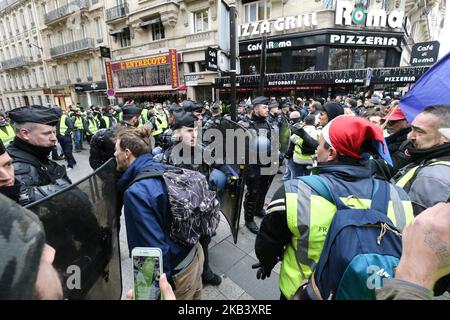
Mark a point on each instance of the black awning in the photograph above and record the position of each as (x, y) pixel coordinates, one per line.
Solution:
(330, 77)
(114, 33)
(146, 23)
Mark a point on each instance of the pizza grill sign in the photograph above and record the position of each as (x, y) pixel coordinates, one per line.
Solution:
(347, 14)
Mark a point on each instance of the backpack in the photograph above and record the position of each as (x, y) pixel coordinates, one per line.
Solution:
(361, 248)
(194, 208)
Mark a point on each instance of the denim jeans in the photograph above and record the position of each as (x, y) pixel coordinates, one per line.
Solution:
(78, 137)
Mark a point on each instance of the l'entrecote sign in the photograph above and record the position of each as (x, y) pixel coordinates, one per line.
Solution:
(347, 14)
(281, 24)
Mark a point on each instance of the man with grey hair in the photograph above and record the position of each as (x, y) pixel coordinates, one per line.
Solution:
(35, 138)
(427, 178)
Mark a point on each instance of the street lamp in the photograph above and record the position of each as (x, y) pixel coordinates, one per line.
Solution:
(45, 70)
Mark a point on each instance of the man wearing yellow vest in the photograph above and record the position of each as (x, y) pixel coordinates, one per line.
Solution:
(78, 124)
(427, 178)
(90, 126)
(7, 133)
(64, 129)
(298, 218)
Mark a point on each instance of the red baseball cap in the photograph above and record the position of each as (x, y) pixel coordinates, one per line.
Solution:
(394, 115)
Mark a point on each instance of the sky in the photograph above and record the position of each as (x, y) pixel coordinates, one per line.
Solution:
(445, 33)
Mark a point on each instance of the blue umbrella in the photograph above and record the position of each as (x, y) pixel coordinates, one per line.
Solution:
(433, 88)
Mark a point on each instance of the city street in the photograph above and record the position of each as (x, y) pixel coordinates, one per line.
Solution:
(232, 262)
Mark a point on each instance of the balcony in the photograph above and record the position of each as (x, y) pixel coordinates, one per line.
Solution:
(7, 3)
(73, 47)
(117, 12)
(65, 11)
(16, 62)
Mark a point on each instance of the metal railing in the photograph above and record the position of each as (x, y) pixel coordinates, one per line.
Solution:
(65, 10)
(16, 62)
(72, 47)
(116, 12)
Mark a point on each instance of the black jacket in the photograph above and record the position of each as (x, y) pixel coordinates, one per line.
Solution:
(38, 177)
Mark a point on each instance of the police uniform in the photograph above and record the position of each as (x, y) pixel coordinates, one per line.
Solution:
(214, 121)
(102, 145)
(187, 119)
(257, 184)
(274, 120)
(38, 176)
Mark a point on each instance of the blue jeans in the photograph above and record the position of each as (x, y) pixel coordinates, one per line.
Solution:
(294, 170)
(78, 137)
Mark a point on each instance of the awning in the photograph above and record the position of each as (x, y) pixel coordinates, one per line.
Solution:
(146, 23)
(152, 89)
(114, 33)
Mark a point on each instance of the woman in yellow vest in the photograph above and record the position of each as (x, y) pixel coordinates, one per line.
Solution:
(298, 218)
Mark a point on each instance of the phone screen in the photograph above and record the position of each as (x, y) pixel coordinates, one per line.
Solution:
(146, 271)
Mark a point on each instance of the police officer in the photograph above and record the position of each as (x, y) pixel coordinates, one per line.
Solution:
(216, 117)
(245, 121)
(185, 132)
(102, 146)
(274, 117)
(257, 184)
(38, 176)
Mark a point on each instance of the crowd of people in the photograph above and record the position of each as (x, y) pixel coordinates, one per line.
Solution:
(356, 148)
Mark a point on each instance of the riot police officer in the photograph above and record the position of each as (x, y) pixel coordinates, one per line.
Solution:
(102, 146)
(274, 118)
(216, 117)
(257, 183)
(38, 176)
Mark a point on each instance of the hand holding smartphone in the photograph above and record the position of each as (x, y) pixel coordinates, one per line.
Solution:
(147, 267)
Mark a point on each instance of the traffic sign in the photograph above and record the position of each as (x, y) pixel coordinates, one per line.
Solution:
(111, 92)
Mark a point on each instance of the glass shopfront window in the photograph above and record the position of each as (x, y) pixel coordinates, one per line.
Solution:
(344, 58)
(250, 64)
(273, 64)
(304, 60)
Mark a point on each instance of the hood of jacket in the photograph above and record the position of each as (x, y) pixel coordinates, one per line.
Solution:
(135, 168)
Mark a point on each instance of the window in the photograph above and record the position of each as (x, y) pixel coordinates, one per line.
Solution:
(72, 35)
(50, 40)
(8, 26)
(2, 57)
(19, 49)
(2, 29)
(202, 66)
(125, 38)
(22, 20)
(356, 58)
(77, 69)
(201, 21)
(102, 67)
(15, 23)
(31, 16)
(67, 73)
(83, 31)
(55, 74)
(88, 69)
(191, 67)
(61, 38)
(256, 11)
(44, 8)
(157, 30)
(56, 2)
(43, 77)
(98, 29)
(34, 78)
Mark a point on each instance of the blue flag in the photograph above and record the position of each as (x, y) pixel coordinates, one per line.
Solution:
(431, 89)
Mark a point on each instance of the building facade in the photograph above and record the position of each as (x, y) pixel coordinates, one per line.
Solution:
(330, 47)
(22, 75)
(72, 33)
(143, 33)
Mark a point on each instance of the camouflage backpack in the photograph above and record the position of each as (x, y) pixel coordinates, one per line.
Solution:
(194, 207)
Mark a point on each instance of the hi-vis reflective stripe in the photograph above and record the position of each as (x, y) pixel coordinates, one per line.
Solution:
(298, 151)
(405, 179)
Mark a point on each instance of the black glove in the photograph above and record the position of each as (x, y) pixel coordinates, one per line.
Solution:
(263, 270)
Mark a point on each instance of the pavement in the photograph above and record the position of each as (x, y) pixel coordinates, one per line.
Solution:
(231, 261)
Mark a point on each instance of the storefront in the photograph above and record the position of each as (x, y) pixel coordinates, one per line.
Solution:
(93, 93)
(309, 55)
(153, 78)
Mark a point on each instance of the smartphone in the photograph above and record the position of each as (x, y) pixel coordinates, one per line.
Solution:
(147, 266)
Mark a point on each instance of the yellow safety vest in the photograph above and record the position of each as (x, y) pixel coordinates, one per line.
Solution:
(107, 121)
(158, 130)
(93, 127)
(62, 125)
(408, 176)
(298, 153)
(78, 123)
(163, 117)
(8, 136)
(309, 217)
